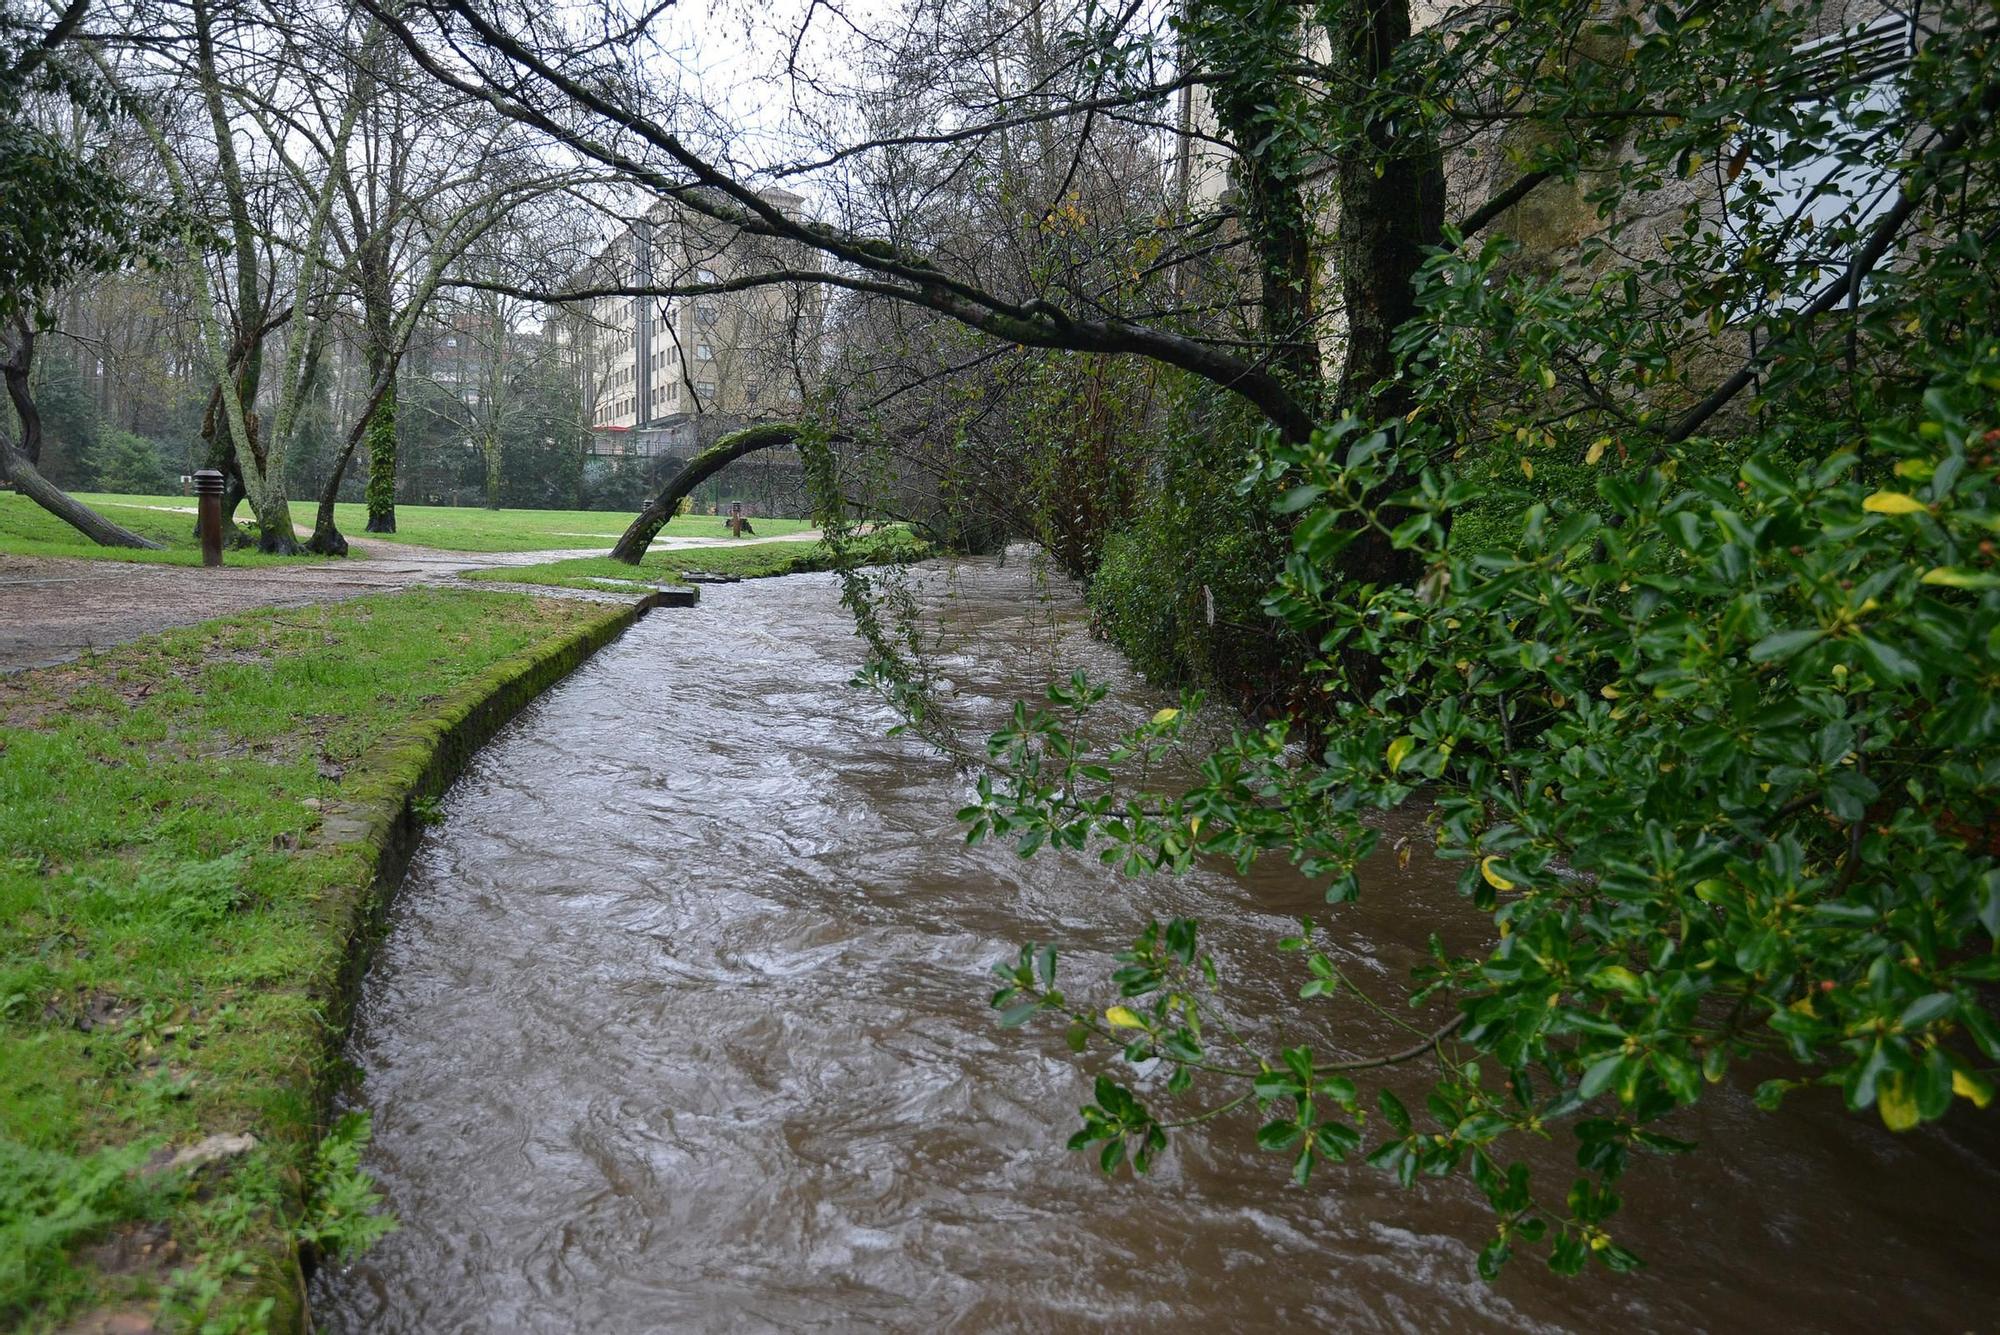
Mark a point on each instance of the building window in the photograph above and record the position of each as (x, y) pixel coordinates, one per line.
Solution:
(705, 389)
(1804, 200)
(704, 275)
(702, 353)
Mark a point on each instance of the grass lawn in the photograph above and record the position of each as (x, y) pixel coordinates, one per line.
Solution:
(28, 530)
(752, 560)
(166, 928)
(472, 529)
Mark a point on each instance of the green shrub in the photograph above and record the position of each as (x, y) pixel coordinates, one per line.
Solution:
(120, 461)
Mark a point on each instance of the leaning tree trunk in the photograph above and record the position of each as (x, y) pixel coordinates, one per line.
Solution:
(28, 480)
(326, 537)
(18, 464)
(696, 471)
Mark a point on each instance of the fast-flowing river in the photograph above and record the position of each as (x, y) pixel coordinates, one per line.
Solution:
(681, 1024)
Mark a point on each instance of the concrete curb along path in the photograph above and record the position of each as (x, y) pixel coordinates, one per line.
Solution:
(376, 823)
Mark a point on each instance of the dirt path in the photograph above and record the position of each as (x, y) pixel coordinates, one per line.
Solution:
(54, 608)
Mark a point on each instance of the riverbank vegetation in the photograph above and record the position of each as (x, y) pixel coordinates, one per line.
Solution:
(27, 530)
(751, 560)
(1572, 424)
(169, 931)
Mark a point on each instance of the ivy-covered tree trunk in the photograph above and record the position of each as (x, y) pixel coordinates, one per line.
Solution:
(1253, 48)
(381, 437)
(378, 311)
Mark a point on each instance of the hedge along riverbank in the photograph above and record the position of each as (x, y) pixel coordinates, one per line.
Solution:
(199, 830)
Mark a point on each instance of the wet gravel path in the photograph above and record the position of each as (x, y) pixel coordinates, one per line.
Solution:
(53, 609)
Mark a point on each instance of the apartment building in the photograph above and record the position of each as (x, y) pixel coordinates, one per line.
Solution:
(662, 373)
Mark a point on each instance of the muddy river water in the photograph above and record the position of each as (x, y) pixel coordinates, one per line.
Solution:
(680, 1024)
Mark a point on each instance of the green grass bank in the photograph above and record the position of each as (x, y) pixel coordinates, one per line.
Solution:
(449, 527)
(750, 560)
(194, 833)
(28, 530)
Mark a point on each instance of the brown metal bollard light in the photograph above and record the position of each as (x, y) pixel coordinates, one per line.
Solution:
(208, 485)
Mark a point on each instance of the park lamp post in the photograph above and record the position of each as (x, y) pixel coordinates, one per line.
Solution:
(208, 485)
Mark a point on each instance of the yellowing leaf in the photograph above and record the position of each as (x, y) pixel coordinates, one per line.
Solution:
(1892, 503)
(1548, 378)
(1528, 467)
(1611, 692)
(1167, 715)
(1399, 751)
(1493, 878)
(1897, 1102)
(1123, 1017)
(1596, 450)
(1971, 1085)
(1957, 577)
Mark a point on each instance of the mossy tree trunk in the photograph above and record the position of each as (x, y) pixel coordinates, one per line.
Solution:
(726, 451)
(384, 351)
